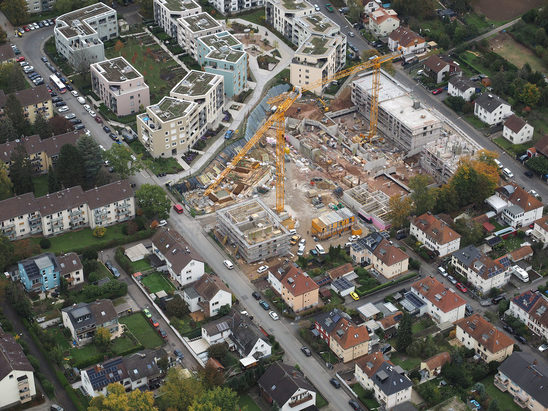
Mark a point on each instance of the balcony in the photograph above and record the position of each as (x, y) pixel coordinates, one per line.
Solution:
(501, 385)
(99, 212)
(300, 401)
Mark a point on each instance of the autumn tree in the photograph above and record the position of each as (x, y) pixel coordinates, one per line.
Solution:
(424, 197)
(117, 399)
(211, 377)
(6, 185)
(21, 170)
(15, 11)
(399, 209)
(60, 125)
(179, 392)
(529, 94)
(219, 398)
(153, 200)
(102, 338)
(70, 166)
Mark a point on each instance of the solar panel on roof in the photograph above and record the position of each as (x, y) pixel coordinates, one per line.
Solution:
(222, 326)
(494, 241)
(505, 261)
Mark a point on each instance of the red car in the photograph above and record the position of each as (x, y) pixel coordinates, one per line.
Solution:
(461, 287)
(20, 59)
(532, 225)
(437, 91)
(98, 119)
(153, 321)
(162, 333)
(26, 28)
(178, 208)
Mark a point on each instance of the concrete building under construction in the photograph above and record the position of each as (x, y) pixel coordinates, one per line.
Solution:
(369, 204)
(255, 230)
(331, 223)
(440, 158)
(402, 119)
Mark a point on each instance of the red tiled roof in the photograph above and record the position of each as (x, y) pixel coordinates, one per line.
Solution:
(348, 335)
(297, 282)
(485, 333)
(370, 363)
(389, 254)
(521, 253)
(405, 37)
(519, 197)
(341, 270)
(438, 360)
(439, 295)
(543, 223)
(435, 228)
(391, 321)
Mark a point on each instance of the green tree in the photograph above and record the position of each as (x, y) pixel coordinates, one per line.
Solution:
(217, 351)
(102, 338)
(211, 377)
(11, 78)
(18, 299)
(15, 11)
(21, 170)
(399, 209)
(14, 112)
(6, 252)
(404, 336)
(163, 363)
(424, 198)
(217, 399)
(178, 392)
(529, 94)
(7, 130)
(123, 161)
(153, 200)
(42, 127)
(53, 182)
(64, 6)
(117, 399)
(471, 232)
(70, 167)
(3, 36)
(92, 159)
(59, 125)
(176, 307)
(6, 185)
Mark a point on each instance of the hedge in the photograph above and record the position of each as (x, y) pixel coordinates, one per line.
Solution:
(362, 292)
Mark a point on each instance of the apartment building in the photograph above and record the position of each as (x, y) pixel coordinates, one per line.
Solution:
(317, 58)
(383, 21)
(208, 295)
(39, 273)
(377, 252)
(406, 41)
(491, 109)
(349, 341)
(39, 6)
(42, 154)
(325, 323)
(182, 262)
(34, 101)
(79, 34)
(478, 334)
(531, 308)
(443, 304)
(281, 15)
(83, 319)
(516, 130)
(228, 7)
(205, 89)
(460, 86)
(16, 373)
(66, 210)
(401, 118)
(517, 207)
(221, 53)
(166, 13)
(332, 223)
(480, 270)
(299, 291)
(388, 382)
(524, 376)
(320, 25)
(191, 28)
(435, 234)
(119, 86)
(170, 127)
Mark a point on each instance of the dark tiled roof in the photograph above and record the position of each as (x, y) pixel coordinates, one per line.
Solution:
(16, 206)
(6, 52)
(490, 102)
(542, 146)
(515, 123)
(167, 241)
(391, 379)
(61, 200)
(528, 372)
(328, 321)
(209, 285)
(478, 262)
(281, 381)
(30, 96)
(108, 194)
(95, 313)
(143, 364)
(405, 37)
(69, 263)
(108, 372)
(12, 357)
(33, 144)
(461, 83)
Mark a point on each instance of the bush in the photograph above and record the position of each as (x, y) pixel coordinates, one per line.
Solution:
(99, 232)
(45, 243)
(90, 255)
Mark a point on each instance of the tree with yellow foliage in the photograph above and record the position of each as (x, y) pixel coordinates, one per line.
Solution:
(399, 209)
(117, 399)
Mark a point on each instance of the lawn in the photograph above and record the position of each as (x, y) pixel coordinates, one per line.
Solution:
(371, 403)
(142, 330)
(481, 24)
(255, 16)
(421, 324)
(512, 149)
(504, 400)
(474, 121)
(516, 53)
(246, 403)
(321, 401)
(89, 353)
(156, 282)
(40, 184)
(103, 272)
(141, 265)
(404, 361)
(184, 326)
(156, 165)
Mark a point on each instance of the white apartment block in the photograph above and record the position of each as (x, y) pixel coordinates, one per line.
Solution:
(383, 21)
(119, 86)
(170, 127)
(443, 304)
(516, 130)
(166, 13)
(281, 15)
(39, 6)
(66, 210)
(79, 35)
(205, 89)
(316, 23)
(190, 28)
(316, 59)
(491, 109)
(401, 119)
(235, 6)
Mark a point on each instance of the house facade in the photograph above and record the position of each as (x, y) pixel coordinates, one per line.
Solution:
(516, 130)
(349, 341)
(71, 269)
(376, 251)
(435, 234)
(442, 304)
(16, 373)
(540, 230)
(325, 323)
(299, 291)
(39, 273)
(35, 101)
(441, 68)
(433, 365)
(383, 21)
(531, 308)
(208, 294)
(406, 40)
(191, 28)
(521, 208)
(491, 109)
(460, 86)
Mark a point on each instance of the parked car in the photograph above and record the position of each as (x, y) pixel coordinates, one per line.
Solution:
(437, 91)
(498, 299)
(256, 295)
(543, 347)
(98, 119)
(354, 296)
(228, 264)
(528, 173)
(265, 305)
(81, 100)
(461, 287)
(115, 272)
(452, 279)
(354, 405)
(521, 339)
(106, 129)
(44, 59)
(273, 315)
(162, 334)
(262, 269)
(306, 351)
(113, 137)
(507, 328)
(335, 383)
(70, 115)
(147, 313)
(74, 93)
(63, 109)
(154, 323)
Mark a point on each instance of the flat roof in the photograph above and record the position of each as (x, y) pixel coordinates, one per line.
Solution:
(319, 22)
(196, 83)
(201, 21)
(117, 69)
(76, 20)
(295, 4)
(179, 5)
(223, 46)
(316, 45)
(170, 108)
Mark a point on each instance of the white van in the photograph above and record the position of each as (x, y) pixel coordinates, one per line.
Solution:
(498, 163)
(520, 273)
(506, 173)
(228, 264)
(320, 249)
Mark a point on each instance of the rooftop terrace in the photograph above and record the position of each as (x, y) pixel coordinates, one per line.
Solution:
(316, 45)
(223, 46)
(76, 20)
(180, 5)
(319, 22)
(196, 83)
(295, 4)
(117, 69)
(170, 108)
(199, 22)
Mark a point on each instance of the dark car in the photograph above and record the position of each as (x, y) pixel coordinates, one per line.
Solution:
(162, 333)
(107, 129)
(507, 328)
(69, 87)
(178, 354)
(256, 295)
(60, 103)
(354, 404)
(109, 265)
(335, 383)
(79, 127)
(265, 305)
(306, 351)
(468, 310)
(521, 339)
(498, 299)
(56, 99)
(528, 173)
(113, 136)
(44, 59)
(75, 121)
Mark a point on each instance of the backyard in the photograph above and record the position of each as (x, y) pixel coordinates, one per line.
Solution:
(90, 354)
(504, 400)
(246, 403)
(516, 53)
(370, 403)
(167, 165)
(40, 184)
(157, 282)
(142, 330)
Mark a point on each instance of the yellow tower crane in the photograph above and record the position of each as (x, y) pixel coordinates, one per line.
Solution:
(282, 103)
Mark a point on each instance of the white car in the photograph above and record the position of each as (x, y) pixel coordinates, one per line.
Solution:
(92, 113)
(162, 223)
(273, 315)
(302, 241)
(74, 93)
(317, 8)
(228, 264)
(101, 147)
(28, 69)
(81, 100)
(262, 269)
(543, 347)
(533, 193)
(300, 251)
(87, 107)
(62, 109)
(353, 238)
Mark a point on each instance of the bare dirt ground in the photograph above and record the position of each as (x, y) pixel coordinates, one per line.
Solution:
(341, 102)
(515, 52)
(305, 110)
(500, 10)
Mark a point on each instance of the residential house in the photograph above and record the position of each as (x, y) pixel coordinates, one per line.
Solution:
(460, 86)
(433, 365)
(16, 373)
(389, 383)
(540, 230)
(325, 323)
(7, 56)
(275, 275)
(406, 40)
(286, 388)
(531, 308)
(441, 68)
(480, 270)
(341, 271)
(491, 109)
(524, 252)
(516, 130)
(540, 147)
(218, 331)
(208, 295)
(71, 269)
(443, 304)
(39, 273)
(349, 341)
(39, 6)
(83, 319)
(332, 222)
(525, 377)
(342, 286)
(478, 334)
(374, 250)
(299, 291)
(383, 21)
(34, 101)
(435, 234)
(182, 262)
(371, 6)
(190, 28)
(519, 208)
(390, 323)
(135, 371)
